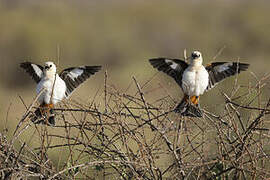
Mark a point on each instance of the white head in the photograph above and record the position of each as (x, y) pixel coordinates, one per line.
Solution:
(196, 58)
(49, 68)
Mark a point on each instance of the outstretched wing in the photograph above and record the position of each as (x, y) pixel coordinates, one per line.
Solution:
(34, 70)
(75, 76)
(221, 70)
(172, 67)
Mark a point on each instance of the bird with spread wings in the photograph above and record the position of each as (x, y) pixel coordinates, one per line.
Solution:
(53, 88)
(194, 79)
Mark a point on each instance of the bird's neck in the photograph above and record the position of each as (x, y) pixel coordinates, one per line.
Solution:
(50, 75)
(197, 62)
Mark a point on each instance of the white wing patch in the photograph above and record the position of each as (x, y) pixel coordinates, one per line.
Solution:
(37, 70)
(75, 73)
(173, 64)
(223, 67)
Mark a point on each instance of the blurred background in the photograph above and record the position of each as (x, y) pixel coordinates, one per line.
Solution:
(121, 36)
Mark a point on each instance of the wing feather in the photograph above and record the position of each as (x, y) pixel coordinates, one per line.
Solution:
(172, 67)
(75, 76)
(218, 71)
(34, 70)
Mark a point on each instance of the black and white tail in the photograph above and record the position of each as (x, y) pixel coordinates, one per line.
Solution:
(40, 117)
(189, 107)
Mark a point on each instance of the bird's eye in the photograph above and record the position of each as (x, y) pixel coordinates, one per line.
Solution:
(50, 65)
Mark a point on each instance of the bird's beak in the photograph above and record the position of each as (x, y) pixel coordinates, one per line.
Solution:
(47, 67)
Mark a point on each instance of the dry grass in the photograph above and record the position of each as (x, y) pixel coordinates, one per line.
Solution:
(131, 137)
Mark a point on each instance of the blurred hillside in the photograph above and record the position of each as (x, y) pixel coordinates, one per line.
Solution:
(121, 36)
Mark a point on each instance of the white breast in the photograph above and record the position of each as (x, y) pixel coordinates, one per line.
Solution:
(195, 81)
(46, 85)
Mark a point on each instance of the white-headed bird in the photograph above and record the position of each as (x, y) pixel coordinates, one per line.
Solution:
(53, 87)
(195, 79)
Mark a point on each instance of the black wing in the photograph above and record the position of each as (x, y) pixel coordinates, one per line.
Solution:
(172, 67)
(75, 76)
(221, 70)
(34, 70)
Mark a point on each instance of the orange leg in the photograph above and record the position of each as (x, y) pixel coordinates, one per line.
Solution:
(50, 106)
(195, 99)
(45, 108)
